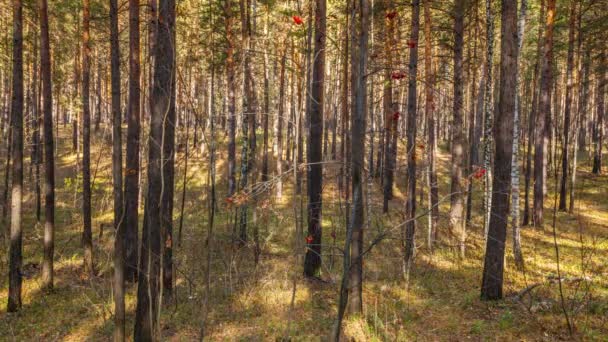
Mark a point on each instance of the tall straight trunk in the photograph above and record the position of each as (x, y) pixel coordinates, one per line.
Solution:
(491, 287)
(35, 122)
(532, 119)
(582, 108)
(457, 146)
(429, 107)
(568, 108)
(49, 157)
(472, 122)
(279, 127)
(131, 189)
(488, 113)
(412, 107)
(312, 261)
(154, 228)
(543, 117)
(98, 97)
(231, 99)
(16, 242)
(598, 125)
(343, 184)
(266, 114)
(517, 253)
(359, 38)
(87, 235)
(390, 112)
(119, 236)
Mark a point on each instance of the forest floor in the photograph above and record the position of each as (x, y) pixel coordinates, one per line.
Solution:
(271, 300)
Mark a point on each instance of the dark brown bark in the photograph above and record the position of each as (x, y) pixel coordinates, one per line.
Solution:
(16, 242)
(568, 108)
(412, 107)
(598, 125)
(231, 99)
(390, 111)
(312, 261)
(49, 151)
(544, 116)
(491, 287)
(119, 243)
(429, 107)
(457, 145)
(155, 221)
(131, 187)
(87, 235)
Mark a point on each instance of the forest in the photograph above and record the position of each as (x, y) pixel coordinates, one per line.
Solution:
(303, 170)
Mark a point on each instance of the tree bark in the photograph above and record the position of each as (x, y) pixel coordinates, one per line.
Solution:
(491, 288)
(598, 125)
(312, 261)
(457, 147)
(16, 242)
(87, 234)
(543, 117)
(412, 106)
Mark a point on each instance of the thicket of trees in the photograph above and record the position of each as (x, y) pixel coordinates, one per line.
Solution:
(510, 88)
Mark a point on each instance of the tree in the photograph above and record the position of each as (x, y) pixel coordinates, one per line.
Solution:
(517, 253)
(457, 147)
(541, 138)
(598, 125)
(390, 112)
(312, 261)
(568, 109)
(162, 103)
(87, 235)
(491, 287)
(15, 253)
(231, 98)
(429, 107)
(119, 236)
(412, 106)
(49, 157)
(131, 187)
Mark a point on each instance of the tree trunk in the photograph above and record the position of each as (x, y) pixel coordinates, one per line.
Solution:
(119, 236)
(87, 234)
(488, 119)
(231, 99)
(598, 125)
(390, 112)
(412, 149)
(429, 107)
(131, 188)
(543, 117)
(16, 242)
(49, 158)
(155, 221)
(517, 253)
(491, 288)
(312, 261)
(457, 147)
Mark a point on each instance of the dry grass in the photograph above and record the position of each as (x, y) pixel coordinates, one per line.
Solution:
(253, 303)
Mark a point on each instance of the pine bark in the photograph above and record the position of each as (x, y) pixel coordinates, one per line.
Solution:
(87, 234)
(16, 241)
(312, 261)
(492, 282)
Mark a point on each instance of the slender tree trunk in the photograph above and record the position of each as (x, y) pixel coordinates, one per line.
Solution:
(119, 236)
(312, 261)
(491, 288)
(517, 253)
(87, 234)
(598, 129)
(543, 117)
(231, 99)
(16, 243)
(412, 106)
(488, 113)
(568, 108)
(390, 112)
(532, 119)
(49, 158)
(155, 221)
(280, 119)
(131, 189)
(457, 147)
(429, 107)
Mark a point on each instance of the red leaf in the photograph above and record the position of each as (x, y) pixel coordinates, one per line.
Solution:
(391, 15)
(398, 75)
(297, 20)
(309, 239)
(411, 43)
(396, 116)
